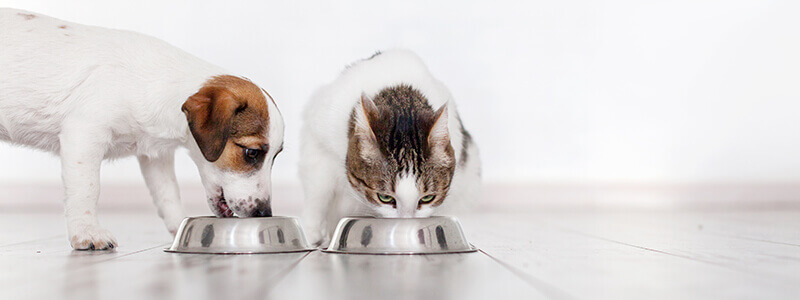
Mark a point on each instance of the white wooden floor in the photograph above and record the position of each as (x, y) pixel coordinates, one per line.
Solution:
(528, 254)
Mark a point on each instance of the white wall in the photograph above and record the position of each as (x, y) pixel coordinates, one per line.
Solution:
(553, 91)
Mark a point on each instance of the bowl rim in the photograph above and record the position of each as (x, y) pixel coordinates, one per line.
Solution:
(237, 218)
(168, 250)
(471, 249)
(453, 218)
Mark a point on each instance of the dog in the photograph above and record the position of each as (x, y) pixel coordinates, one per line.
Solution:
(384, 139)
(88, 93)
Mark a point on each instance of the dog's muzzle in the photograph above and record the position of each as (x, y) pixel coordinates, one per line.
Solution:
(263, 209)
(220, 207)
(226, 208)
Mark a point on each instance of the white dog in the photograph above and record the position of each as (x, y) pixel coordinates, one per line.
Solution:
(384, 139)
(88, 93)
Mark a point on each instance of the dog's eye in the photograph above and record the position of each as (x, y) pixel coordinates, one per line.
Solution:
(427, 199)
(252, 154)
(385, 198)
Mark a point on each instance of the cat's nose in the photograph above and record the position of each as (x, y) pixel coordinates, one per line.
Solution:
(406, 214)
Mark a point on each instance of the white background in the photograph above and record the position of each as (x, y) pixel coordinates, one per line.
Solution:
(553, 91)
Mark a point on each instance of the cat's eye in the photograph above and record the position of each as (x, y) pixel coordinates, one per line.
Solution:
(385, 198)
(427, 199)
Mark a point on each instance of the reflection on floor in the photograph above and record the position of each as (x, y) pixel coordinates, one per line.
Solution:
(525, 255)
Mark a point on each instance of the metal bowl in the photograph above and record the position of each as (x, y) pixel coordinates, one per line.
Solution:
(434, 235)
(239, 236)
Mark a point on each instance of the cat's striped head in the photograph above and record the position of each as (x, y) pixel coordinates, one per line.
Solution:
(399, 157)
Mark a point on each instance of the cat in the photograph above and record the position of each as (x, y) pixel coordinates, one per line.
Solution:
(384, 140)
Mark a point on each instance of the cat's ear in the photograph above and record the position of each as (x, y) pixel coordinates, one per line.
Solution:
(439, 137)
(365, 114)
(439, 134)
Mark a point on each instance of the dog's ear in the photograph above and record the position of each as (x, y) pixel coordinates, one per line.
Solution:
(209, 113)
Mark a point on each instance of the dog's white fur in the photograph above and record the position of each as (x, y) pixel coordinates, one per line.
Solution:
(328, 194)
(89, 93)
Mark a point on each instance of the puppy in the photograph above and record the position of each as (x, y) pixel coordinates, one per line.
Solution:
(384, 139)
(88, 93)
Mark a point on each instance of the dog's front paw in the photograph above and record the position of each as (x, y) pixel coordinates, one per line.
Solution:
(173, 223)
(89, 237)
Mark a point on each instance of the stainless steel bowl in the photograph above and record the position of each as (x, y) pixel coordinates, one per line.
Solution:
(432, 235)
(239, 236)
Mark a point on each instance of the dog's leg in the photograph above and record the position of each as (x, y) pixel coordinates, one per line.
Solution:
(159, 175)
(82, 152)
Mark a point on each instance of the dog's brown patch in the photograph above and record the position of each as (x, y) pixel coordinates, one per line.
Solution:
(63, 26)
(27, 16)
(226, 116)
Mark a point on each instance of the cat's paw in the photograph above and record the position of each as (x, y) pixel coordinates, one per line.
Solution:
(324, 242)
(318, 238)
(91, 237)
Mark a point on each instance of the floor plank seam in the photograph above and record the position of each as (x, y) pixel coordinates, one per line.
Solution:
(275, 280)
(638, 247)
(545, 288)
(756, 240)
(32, 241)
(759, 275)
(120, 256)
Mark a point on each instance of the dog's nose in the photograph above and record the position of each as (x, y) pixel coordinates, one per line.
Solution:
(263, 209)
